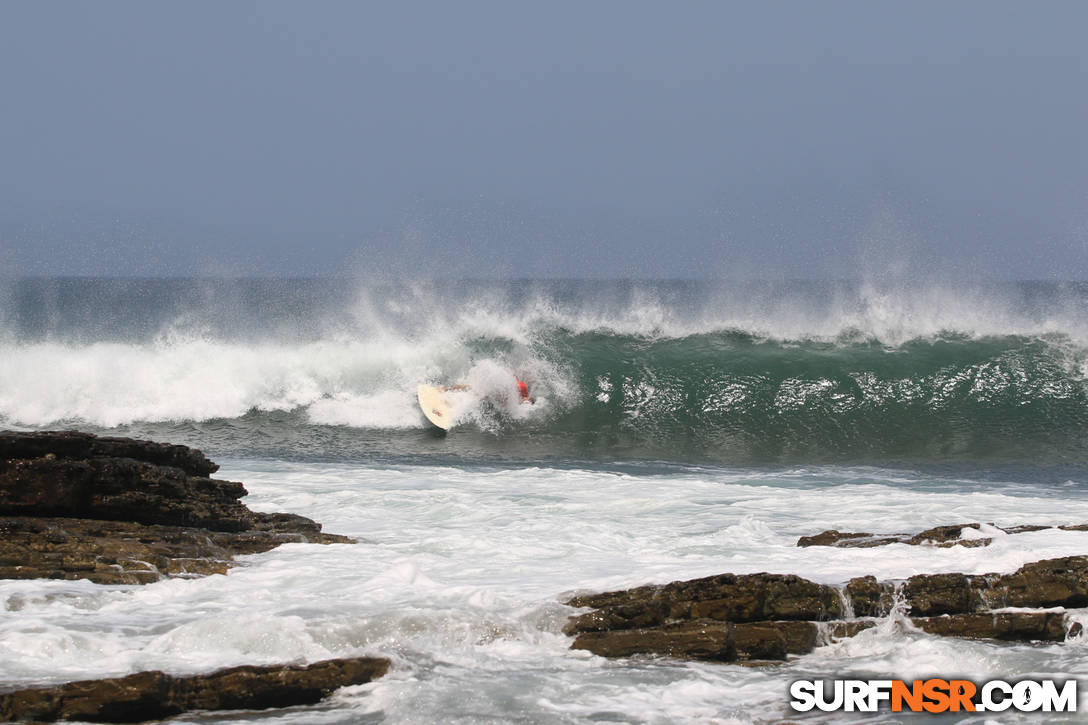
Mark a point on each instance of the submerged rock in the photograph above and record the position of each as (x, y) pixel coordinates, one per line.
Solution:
(122, 511)
(155, 695)
(939, 536)
(832, 537)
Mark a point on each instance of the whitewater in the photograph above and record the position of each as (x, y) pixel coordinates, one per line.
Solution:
(681, 430)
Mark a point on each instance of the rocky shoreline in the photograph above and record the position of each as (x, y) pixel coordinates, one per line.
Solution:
(766, 617)
(970, 534)
(121, 511)
(155, 695)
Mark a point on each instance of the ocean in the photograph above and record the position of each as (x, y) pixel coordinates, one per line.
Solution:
(680, 429)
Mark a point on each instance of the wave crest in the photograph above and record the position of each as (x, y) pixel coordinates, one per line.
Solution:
(659, 371)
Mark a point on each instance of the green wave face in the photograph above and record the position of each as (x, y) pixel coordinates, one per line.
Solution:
(790, 372)
(737, 397)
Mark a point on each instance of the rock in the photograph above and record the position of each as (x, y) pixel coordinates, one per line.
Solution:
(156, 695)
(122, 511)
(774, 641)
(869, 598)
(832, 537)
(726, 597)
(1015, 626)
(754, 597)
(940, 536)
(930, 594)
(119, 552)
(768, 616)
(1026, 528)
(1049, 583)
(120, 489)
(945, 536)
(711, 640)
(846, 629)
(701, 640)
(78, 446)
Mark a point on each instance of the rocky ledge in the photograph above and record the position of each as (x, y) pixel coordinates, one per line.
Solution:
(970, 534)
(155, 695)
(122, 511)
(765, 617)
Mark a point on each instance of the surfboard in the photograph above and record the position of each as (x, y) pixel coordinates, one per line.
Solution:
(433, 404)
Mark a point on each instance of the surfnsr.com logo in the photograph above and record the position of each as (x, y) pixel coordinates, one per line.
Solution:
(934, 695)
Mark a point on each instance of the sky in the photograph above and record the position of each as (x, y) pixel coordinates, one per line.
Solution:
(574, 138)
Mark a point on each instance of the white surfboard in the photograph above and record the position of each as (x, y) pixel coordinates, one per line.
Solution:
(433, 404)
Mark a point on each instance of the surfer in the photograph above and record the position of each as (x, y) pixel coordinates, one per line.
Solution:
(523, 390)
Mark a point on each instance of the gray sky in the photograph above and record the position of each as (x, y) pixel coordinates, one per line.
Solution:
(581, 138)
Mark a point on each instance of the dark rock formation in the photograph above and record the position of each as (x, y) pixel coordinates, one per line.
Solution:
(77, 446)
(121, 552)
(831, 537)
(115, 479)
(156, 695)
(945, 536)
(122, 511)
(769, 641)
(720, 641)
(1049, 583)
(868, 597)
(727, 597)
(930, 594)
(940, 536)
(701, 640)
(768, 616)
(1013, 626)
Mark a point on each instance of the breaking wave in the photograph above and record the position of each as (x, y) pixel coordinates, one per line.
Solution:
(667, 370)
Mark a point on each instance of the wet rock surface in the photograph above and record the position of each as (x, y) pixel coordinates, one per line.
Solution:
(701, 640)
(858, 540)
(76, 445)
(769, 616)
(1011, 626)
(122, 511)
(940, 536)
(155, 695)
(726, 597)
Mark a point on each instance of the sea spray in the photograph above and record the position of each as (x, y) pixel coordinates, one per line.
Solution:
(681, 371)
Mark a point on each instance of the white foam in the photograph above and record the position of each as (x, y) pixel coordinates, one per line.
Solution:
(387, 409)
(459, 574)
(337, 382)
